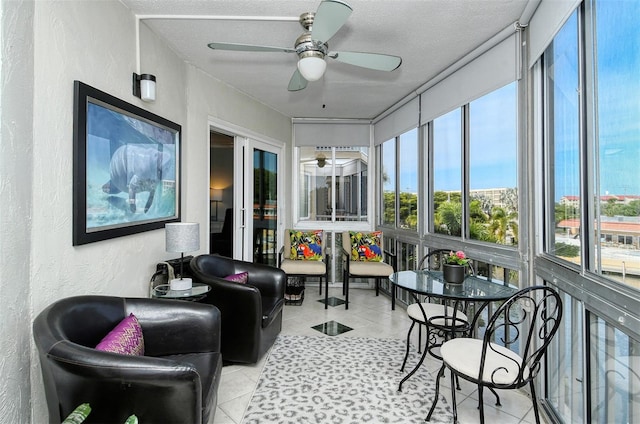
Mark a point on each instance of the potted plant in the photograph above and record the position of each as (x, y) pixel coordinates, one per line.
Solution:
(454, 267)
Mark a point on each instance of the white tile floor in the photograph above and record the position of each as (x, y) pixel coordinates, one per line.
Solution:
(369, 316)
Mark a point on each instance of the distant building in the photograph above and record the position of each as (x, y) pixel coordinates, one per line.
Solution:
(574, 201)
(619, 231)
(494, 195)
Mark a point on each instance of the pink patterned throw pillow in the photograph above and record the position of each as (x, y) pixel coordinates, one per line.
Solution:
(241, 277)
(126, 338)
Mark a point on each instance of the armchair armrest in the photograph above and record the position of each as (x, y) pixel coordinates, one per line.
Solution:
(94, 364)
(123, 381)
(271, 281)
(346, 259)
(394, 259)
(280, 253)
(197, 330)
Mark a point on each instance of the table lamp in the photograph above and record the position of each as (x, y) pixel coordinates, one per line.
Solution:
(216, 196)
(182, 237)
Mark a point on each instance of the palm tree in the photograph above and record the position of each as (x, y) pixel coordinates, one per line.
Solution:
(448, 218)
(501, 223)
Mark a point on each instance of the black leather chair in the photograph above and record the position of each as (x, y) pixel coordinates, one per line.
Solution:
(251, 312)
(176, 381)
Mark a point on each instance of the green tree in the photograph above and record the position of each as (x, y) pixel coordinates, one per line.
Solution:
(448, 218)
(408, 210)
(611, 208)
(566, 250)
(439, 197)
(502, 223)
(389, 207)
(563, 212)
(509, 199)
(480, 231)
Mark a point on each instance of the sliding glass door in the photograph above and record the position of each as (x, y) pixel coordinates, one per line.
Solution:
(259, 195)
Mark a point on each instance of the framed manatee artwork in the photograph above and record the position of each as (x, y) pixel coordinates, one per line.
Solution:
(126, 168)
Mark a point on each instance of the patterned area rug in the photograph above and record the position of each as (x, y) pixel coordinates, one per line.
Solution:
(342, 380)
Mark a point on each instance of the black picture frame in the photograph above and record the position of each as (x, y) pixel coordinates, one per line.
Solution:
(126, 167)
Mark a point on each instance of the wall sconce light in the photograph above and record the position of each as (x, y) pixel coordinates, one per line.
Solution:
(144, 86)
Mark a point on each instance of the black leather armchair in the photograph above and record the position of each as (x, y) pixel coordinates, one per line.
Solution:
(251, 312)
(176, 381)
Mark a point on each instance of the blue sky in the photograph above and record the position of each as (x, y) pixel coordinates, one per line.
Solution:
(618, 102)
(493, 123)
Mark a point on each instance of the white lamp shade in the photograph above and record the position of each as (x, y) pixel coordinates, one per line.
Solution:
(216, 194)
(312, 68)
(148, 87)
(182, 237)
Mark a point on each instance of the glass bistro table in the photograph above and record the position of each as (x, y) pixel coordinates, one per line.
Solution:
(473, 290)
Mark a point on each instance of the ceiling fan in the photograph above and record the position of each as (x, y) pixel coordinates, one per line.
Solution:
(312, 49)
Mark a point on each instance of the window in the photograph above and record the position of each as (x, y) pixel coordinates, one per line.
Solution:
(612, 89)
(408, 180)
(493, 139)
(563, 105)
(565, 376)
(447, 173)
(615, 380)
(616, 135)
(388, 160)
(333, 183)
(400, 177)
(592, 184)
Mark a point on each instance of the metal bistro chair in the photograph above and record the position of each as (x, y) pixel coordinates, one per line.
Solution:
(440, 318)
(526, 323)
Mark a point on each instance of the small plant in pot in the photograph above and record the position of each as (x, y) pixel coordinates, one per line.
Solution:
(454, 267)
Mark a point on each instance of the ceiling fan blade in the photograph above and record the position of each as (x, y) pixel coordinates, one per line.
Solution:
(249, 48)
(297, 82)
(379, 62)
(330, 17)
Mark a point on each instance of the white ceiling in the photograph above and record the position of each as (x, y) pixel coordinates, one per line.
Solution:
(429, 35)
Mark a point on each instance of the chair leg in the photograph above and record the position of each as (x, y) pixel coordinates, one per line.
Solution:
(453, 398)
(346, 296)
(480, 404)
(377, 286)
(437, 395)
(320, 285)
(496, 395)
(326, 293)
(535, 401)
(406, 355)
(420, 338)
(413, 371)
(393, 296)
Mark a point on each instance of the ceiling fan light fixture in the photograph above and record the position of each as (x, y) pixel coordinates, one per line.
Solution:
(312, 66)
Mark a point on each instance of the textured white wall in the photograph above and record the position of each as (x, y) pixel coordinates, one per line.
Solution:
(45, 47)
(16, 147)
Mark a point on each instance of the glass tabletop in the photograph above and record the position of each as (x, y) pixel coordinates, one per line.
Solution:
(164, 291)
(431, 283)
